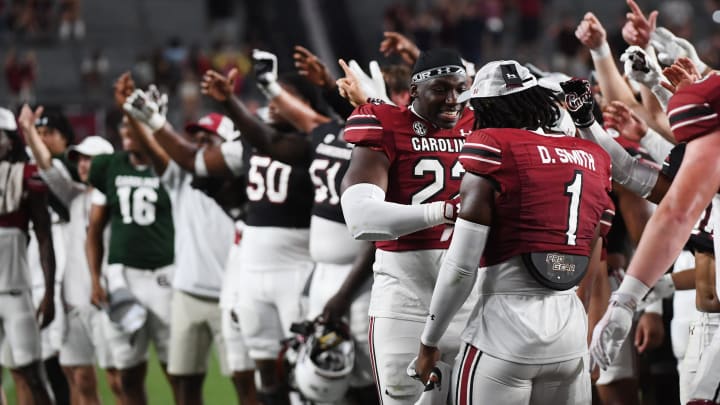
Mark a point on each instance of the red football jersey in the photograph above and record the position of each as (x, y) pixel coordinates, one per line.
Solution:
(424, 164)
(693, 110)
(552, 190)
(32, 185)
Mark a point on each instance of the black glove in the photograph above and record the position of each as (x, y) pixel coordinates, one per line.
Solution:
(579, 101)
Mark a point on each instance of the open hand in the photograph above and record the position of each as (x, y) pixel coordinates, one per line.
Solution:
(217, 85)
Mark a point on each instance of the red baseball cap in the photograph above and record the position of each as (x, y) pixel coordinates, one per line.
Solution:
(217, 124)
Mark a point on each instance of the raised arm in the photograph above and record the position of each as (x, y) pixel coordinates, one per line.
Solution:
(300, 114)
(627, 170)
(308, 65)
(612, 84)
(143, 134)
(223, 160)
(41, 153)
(266, 139)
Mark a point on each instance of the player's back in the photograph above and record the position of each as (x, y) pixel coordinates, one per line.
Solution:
(551, 190)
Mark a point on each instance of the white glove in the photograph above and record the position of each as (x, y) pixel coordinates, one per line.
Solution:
(640, 67)
(438, 388)
(671, 47)
(611, 331)
(160, 98)
(265, 67)
(141, 107)
(374, 85)
(664, 288)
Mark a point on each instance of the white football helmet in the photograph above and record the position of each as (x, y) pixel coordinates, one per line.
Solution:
(324, 364)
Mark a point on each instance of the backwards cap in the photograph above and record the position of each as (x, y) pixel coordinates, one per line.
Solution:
(499, 78)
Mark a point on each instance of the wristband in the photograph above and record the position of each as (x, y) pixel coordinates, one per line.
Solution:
(633, 287)
(601, 52)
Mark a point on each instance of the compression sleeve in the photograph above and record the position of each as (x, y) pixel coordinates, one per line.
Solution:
(456, 278)
(370, 217)
(626, 170)
(656, 145)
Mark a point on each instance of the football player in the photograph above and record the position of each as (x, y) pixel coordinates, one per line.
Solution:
(526, 339)
(404, 174)
(23, 198)
(339, 291)
(130, 198)
(692, 116)
(274, 250)
(84, 342)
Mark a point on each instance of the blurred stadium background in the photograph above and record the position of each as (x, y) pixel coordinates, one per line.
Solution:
(67, 53)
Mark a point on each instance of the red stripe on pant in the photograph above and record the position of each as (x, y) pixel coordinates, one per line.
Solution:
(466, 371)
(373, 361)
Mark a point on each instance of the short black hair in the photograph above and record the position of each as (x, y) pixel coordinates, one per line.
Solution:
(53, 117)
(535, 107)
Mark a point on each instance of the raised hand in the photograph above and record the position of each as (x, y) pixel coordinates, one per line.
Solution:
(396, 43)
(638, 29)
(308, 65)
(682, 73)
(350, 87)
(579, 101)
(671, 48)
(640, 67)
(619, 116)
(590, 32)
(218, 86)
(144, 109)
(373, 86)
(123, 88)
(28, 117)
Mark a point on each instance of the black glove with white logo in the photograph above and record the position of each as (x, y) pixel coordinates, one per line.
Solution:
(579, 101)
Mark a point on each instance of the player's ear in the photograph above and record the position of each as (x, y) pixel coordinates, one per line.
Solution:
(413, 90)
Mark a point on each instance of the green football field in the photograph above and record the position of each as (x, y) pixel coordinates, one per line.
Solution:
(217, 389)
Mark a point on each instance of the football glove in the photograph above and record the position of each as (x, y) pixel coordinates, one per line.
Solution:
(265, 68)
(144, 109)
(612, 330)
(671, 47)
(664, 288)
(160, 98)
(374, 85)
(579, 101)
(640, 67)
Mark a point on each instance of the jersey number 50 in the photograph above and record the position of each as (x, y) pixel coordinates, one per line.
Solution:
(273, 181)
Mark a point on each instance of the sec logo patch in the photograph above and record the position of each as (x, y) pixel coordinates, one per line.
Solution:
(419, 128)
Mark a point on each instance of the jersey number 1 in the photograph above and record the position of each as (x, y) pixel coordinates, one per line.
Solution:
(573, 189)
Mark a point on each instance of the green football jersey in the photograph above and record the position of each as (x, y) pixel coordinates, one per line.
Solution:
(141, 225)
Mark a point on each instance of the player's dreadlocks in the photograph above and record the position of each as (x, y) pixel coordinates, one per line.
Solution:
(533, 108)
